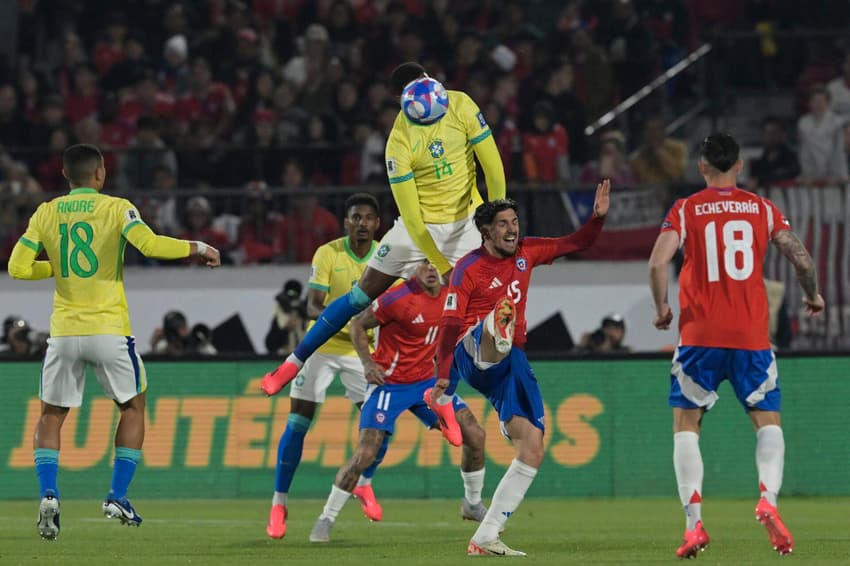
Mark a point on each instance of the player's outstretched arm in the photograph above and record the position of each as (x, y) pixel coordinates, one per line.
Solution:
(406, 199)
(163, 247)
(491, 163)
(665, 247)
(794, 251)
(373, 372)
(23, 265)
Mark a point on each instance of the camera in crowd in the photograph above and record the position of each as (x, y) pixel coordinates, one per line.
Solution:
(290, 300)
(176, 337)
(19, 339)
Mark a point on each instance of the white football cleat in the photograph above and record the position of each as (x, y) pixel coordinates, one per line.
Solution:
(491, 548)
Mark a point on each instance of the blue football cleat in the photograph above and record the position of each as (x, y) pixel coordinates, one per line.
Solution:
(122, 510)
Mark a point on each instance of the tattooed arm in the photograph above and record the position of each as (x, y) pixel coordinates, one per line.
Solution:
(794, 250)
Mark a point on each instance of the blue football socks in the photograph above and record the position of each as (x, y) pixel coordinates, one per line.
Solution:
(289, 451)
(379, 457)
(334, 318)
(126, 460)
(46, 468)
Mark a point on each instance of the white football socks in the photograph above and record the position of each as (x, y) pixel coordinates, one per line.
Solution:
(509, 494)
(687, 461)
(293, 359)
(473, 485)
(335, 503)
(364, 481)
(279, 498)
(770, 460)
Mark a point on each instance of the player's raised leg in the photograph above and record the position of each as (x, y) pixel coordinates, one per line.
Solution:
(333, 319)
(528, 444)
(346, 480)
(492, 342)
(770, 460)
(687, 462)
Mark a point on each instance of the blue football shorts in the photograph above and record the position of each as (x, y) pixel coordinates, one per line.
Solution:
(698, 371)
(509, 385)
(384, 403)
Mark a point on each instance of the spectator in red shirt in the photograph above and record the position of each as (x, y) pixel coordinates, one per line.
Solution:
(308, 225)
(116, 132)
(208, 102)
(261, 231)
(73, 55)
(546, 149)
(49, 170)
(111, 50)
(147, 100)
(84, 97)
(198, 227)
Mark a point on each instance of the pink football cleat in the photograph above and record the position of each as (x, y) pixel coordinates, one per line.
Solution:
(276, 380)
(448, 422)
(277, 521)
(695, 541)
(780, 538)
(370, 506)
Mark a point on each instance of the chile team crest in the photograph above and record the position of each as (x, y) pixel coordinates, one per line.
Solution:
(521, 264)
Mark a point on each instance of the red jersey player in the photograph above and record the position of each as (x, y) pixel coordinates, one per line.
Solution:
(399, 373)
(724, 233)
(489, 356)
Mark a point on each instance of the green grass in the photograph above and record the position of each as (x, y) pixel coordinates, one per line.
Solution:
(426, 532)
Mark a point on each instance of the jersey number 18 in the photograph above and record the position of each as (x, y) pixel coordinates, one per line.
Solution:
(81, 236)
(733, 246)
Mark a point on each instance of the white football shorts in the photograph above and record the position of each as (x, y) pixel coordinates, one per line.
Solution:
(312, 382)
(114, 359)
(397, 255)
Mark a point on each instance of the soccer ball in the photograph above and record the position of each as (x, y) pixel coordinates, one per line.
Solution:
(424, 101)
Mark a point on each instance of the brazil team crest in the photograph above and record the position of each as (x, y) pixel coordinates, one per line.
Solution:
(383, 251)
(521, 264)
(436, 149)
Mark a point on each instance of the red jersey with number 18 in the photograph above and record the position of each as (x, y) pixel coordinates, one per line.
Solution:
(407, 339)
(724, 233)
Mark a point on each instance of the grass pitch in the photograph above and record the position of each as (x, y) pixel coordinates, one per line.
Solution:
(420, 532)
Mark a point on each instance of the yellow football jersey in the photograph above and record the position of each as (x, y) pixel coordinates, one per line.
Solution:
(439, 157)
(84, 234)
(335, 270)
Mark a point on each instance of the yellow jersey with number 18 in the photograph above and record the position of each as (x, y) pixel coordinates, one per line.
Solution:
(439, 158)
(84, 234)
(334, 271)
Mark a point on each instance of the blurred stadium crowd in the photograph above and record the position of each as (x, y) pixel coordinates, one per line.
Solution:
(236, 97)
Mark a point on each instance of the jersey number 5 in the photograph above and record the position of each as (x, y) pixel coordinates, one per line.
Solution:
(737, 240)
(81, 236)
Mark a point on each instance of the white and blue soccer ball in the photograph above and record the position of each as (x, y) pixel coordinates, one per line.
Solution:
(424, 101)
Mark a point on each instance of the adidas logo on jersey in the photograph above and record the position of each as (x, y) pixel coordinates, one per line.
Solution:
(495, 283)
(419, 319)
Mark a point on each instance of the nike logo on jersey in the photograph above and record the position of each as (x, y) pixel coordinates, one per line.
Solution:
(495, 283)
(415, 147)
(419, 319)
(338, 269)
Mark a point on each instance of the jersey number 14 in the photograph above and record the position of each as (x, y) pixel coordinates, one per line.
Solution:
(737, 242)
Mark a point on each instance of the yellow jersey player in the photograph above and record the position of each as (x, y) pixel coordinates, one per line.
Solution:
(431, 171)
(84, 234)
(336, 267)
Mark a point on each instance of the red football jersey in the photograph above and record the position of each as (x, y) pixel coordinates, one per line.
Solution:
(480, 280)
(407, 339)
(724, 233)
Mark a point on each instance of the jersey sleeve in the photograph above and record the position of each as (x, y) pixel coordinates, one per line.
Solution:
(320, 270)
(139, 234)
(398, 155)
(776, 221)
(543, 251)
(476, 126)
(32, 236)
(675, 219)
